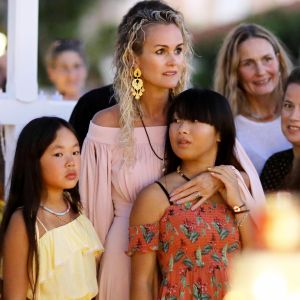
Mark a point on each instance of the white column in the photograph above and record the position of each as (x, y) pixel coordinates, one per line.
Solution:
(22, 49)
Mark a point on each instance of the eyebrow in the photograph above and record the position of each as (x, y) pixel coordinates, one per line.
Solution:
(61, 147)
(166, 46)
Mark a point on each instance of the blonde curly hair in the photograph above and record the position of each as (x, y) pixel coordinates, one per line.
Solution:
(130, 40)
(226, 72)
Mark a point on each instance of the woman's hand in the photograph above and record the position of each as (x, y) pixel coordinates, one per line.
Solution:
(200, 187)
(228, 175)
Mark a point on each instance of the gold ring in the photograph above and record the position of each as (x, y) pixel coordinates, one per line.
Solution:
(197, 196)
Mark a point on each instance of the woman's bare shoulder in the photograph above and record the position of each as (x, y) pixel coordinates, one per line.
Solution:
(109, 117)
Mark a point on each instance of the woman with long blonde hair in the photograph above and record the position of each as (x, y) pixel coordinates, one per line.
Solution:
(124, 148)
(252, 67)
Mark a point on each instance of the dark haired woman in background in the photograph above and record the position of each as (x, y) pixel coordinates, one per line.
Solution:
(276, 174)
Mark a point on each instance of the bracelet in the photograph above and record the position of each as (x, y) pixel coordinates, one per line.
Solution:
(241, 211)
(237, 208)
(241, 222)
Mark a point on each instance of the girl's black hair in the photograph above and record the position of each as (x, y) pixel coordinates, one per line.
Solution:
(26, 184)
(209, 107)
(294, 77)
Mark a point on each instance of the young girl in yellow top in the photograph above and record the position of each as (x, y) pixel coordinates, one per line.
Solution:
(49, 249)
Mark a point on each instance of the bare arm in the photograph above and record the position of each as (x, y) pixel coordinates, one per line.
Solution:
(15, 253)
(148, 209)
(231, 194)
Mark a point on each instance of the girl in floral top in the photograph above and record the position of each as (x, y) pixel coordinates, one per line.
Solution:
(194, 247)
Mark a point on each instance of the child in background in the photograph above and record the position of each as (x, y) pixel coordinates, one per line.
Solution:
(49, 249)
(66, 68)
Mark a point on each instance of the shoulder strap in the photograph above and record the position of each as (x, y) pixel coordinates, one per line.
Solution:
(164, 190)
(44, 227)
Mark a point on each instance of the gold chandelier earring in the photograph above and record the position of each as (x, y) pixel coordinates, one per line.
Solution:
(137, 89)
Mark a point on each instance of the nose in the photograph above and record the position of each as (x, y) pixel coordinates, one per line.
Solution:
(171, 59)
(70, 162)
(183, 127)
(259, 68)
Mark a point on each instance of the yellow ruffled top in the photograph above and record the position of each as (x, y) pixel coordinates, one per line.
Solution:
(67, 262)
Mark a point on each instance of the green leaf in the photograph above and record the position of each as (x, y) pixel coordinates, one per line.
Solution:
(198, 220)
(165, 246)
(199, 261)
(171, 263)
(148, 235)
(223, 234)
(188, 263)
(215, 257)
(234, 246)
(224, 255)
(188, 205)
(205, 297)
(194, 236)
(178, 255)
(184, 230)
(206, 249)
(183, 281)
(217, 227)
(196, 292)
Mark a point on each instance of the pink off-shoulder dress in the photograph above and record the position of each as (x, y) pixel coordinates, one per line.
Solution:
(108, 189)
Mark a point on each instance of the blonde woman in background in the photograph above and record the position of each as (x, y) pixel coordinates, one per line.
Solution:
(124, 148)
(252, 67)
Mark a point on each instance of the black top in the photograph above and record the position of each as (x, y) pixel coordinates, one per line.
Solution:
(275, 171)
(87, 106)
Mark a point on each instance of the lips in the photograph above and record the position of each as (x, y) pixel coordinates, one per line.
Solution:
(262, 82)
(183, 142)
(71, 175)
(170, 73)
(293, 128)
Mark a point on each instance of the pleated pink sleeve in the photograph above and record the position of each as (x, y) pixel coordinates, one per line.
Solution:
(95, 180)
(255, 200)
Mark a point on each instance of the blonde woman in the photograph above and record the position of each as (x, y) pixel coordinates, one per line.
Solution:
(252, 67)
(124, 148)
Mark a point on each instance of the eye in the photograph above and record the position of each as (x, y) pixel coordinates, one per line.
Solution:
(287, 106)
(59, 154)
(160, 51)
(268, 59)
(76, 152)
(178, 50)
(246, 63)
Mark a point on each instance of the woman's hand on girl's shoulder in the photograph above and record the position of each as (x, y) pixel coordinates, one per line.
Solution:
(228, 175)
(109, 117)
(202, 186)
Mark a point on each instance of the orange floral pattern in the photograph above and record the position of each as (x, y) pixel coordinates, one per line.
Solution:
(194, 249)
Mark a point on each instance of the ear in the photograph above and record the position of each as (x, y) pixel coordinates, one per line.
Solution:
(218, 137)
(51, 73)
(136, 61)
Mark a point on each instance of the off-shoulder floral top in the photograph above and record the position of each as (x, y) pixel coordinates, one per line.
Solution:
(194, 249)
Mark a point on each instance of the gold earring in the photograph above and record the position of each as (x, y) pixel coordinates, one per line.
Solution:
(137, 84)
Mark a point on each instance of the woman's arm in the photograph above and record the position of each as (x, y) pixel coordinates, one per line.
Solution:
(15, 255)
(231, 195)
(148, 209)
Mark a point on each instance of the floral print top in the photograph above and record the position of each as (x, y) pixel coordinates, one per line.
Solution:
(194, 249)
